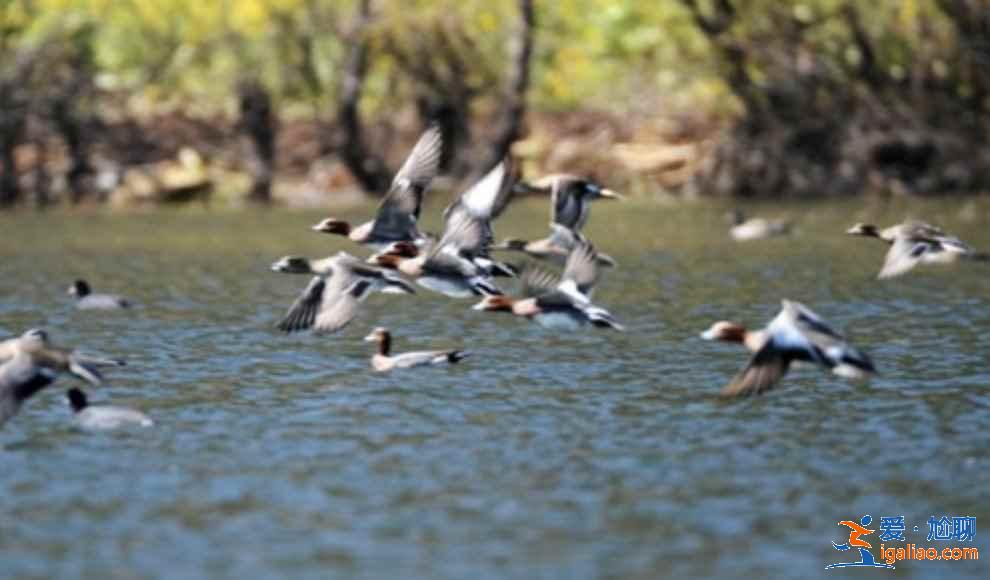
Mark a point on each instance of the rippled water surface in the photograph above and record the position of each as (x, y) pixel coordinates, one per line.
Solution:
(596, 455)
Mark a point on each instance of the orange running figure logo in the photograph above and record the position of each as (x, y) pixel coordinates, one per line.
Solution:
(855, 541)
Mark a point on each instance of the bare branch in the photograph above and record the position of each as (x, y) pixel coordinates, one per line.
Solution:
(515, 108)
(369, 169)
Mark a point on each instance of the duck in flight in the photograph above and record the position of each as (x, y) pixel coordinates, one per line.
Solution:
(398, 212)
(554, 248)
(331, 299)
(795, 334)
(482, 203)
(912, 243)
(570, 197)
(563, 303)
(30, 362)
(446, 266)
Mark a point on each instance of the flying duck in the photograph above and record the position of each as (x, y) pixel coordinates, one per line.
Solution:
(85, 299)
(443, 267)
(795, 334)
(554, 248)
(912, 243)
(30, 363)
(102, 417)
(560, 304)
(570, 197)
(399, 211)
(382, 361)
(482, 203)
(757, 228)
(332, 298)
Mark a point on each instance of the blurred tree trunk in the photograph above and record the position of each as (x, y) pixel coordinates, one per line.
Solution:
(68, 124)
(511, 123)
(10, 133)
(13, 121)
(41, 178)
(971, 19)
(258, 123)
(818, 121)
(368, 168)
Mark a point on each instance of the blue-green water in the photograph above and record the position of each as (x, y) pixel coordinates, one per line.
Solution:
(596, 455)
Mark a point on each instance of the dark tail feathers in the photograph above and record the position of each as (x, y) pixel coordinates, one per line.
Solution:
(456, 356)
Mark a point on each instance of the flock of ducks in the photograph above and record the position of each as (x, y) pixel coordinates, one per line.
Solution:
(460, 263)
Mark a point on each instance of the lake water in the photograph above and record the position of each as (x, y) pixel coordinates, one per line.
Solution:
(596, 455)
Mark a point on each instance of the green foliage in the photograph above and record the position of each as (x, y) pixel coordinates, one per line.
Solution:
(612, 53)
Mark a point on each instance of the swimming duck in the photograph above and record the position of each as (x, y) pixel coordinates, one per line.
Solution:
(381, 361)
(554, 248)
(795, 334)
(570, 197)
(100, 417)
(399, 211)
(443, 267)
(560, 304)
(912, 243)
(85, 299)
(332, 298)
(757, 228)
(29, 363)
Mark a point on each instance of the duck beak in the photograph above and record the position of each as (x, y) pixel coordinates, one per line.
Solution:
(479, 306)
(371, 338)
(707, 335)
(859, 230)
(609, 194)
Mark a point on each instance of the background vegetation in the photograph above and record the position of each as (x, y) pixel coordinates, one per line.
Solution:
(176, 100)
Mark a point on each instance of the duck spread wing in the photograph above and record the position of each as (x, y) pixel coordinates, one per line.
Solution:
(487, 198)
(396, 217)
(421, 166)
(21, 377)
(808, 322)
(338, 313)
(564, 237)
(761, 374)
(399, 211)
(582, 268)
(565, 207)
(302, 313)
(464, 233)
(904, 254)
(536, 282)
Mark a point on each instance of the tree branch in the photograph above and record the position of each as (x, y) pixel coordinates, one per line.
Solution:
(369, 169)
(515, 108)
